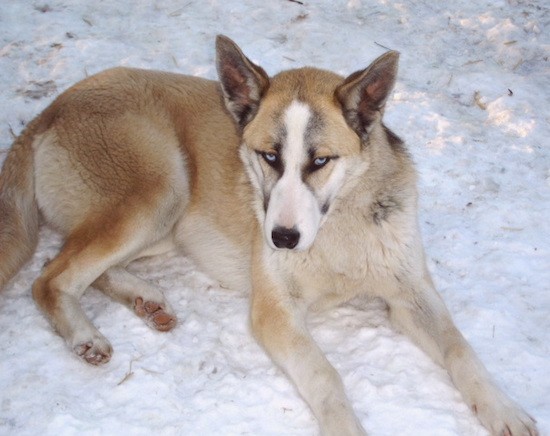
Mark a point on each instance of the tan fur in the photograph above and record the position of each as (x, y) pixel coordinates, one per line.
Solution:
(130, 162)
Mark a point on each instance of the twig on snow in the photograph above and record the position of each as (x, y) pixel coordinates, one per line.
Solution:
(129, 374)
(383, 46)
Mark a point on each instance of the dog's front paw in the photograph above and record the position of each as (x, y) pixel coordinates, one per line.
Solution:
(505, 418)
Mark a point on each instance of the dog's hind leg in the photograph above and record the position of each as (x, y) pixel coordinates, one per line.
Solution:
(417, 310)
(97, 245)
(139, 296)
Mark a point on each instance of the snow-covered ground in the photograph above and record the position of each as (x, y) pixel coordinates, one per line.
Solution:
(472, 102)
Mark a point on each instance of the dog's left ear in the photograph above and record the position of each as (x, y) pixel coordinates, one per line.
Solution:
(243, 82)
(363, 94)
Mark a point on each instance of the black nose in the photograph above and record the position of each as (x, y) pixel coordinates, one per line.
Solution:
(285, 238)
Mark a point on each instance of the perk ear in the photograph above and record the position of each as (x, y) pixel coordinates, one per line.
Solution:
(363, 94)
(243, 83)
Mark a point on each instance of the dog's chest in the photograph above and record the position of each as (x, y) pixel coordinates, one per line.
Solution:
(350, 256)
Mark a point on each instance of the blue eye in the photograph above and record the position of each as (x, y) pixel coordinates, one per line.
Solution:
(270, 158)
(320, 161)
(316, 163)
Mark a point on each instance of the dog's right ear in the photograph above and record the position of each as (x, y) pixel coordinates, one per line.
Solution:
(243, 82)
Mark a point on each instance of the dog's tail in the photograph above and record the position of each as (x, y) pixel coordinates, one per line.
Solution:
(19, 216)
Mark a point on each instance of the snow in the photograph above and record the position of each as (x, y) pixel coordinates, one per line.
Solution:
(472, 102)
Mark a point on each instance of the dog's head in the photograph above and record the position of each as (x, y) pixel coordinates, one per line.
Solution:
(303, 133)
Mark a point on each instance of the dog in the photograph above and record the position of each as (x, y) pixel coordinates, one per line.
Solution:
(290, 187)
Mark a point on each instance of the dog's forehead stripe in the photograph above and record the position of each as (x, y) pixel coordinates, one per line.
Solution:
(296, 120)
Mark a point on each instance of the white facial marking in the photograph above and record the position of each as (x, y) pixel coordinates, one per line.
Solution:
(296, 119)
(292, 205)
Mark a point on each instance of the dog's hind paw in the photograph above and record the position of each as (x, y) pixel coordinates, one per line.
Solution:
(97, 351)
(154, 315)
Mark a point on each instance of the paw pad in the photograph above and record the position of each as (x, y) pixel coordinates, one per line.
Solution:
(154, 315)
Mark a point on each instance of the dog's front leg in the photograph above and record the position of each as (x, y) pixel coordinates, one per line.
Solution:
(418, 311)
(278, 324)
